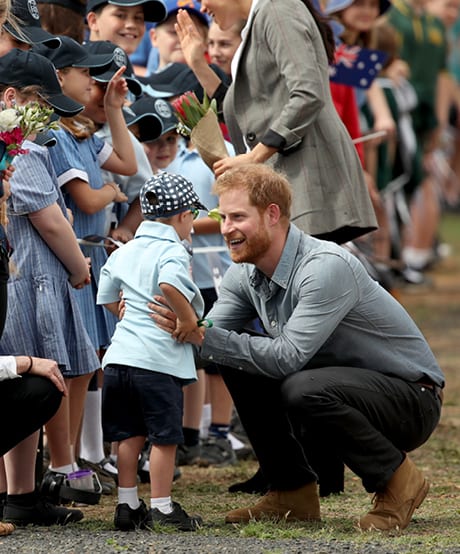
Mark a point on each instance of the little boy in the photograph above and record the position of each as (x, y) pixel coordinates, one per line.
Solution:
(144, 367)
(143, 118)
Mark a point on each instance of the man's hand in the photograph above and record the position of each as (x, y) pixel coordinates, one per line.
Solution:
(163, 316)
(166, 319)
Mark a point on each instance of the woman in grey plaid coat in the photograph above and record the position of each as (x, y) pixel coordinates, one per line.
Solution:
(279, 110)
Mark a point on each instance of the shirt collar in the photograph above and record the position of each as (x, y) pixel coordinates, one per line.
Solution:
(285, 266)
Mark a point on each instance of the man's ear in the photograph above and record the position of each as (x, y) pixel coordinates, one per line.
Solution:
(273, 213)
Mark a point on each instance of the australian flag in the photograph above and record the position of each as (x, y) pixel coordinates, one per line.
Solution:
(356, 66)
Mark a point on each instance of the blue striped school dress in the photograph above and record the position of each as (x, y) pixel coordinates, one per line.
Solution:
(72, 159)
(43, 318)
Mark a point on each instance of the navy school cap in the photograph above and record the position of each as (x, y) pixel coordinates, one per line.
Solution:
(119, 58)
(74, 5)
(166, 194)
(154, 10)
(154, 117)
(19, 68)
(192, 6)
(334, 6)
(70, 53)
(31, 32)
(177, 78)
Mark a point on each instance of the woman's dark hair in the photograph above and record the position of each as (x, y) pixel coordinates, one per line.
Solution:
(324, 28)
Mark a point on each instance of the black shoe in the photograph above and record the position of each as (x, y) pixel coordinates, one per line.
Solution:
(178, 518)
(257, 484)
(188, 455)
(216, 451)
(40, 513)
(127, 519)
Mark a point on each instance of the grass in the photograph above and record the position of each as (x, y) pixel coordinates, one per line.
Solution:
(435, 527)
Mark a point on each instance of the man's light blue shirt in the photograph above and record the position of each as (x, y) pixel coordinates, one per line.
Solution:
(320, 309)
(154, 256)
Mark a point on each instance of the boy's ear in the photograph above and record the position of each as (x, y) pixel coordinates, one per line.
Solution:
(91, 20)
(153, 36)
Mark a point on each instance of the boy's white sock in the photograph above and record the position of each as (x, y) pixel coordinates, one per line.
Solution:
(128, 495)
(162, 504)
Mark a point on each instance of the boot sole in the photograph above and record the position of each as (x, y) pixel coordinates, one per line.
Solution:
(270, 517)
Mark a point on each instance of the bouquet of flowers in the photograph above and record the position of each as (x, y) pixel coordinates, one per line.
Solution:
(199, 122)
(17, 124)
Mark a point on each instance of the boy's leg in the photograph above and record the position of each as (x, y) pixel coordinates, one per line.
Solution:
(128, 456)
(162, 461)
(130, 512)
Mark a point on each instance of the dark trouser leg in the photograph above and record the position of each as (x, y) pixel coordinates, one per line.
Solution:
(369, 419)
(26, 404)
(265, 420)
(4, 274)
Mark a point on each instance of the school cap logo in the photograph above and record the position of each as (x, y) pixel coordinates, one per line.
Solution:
(163, 109)
(119, 57)
(33, 9)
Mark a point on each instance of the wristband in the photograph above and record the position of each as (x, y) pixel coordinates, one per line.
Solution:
(205, 323)
(31, 363)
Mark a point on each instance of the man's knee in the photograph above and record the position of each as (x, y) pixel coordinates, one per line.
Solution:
(299, 391)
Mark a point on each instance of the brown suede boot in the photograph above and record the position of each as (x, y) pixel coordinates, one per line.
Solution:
(6, 528)
(300, 504)
(393, 508)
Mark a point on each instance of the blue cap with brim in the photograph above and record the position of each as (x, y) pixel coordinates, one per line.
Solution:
(119, 59)
(334, 6)
(154, 117)
(19, 68)
(154, 10)
(30, 30)
(191, 6)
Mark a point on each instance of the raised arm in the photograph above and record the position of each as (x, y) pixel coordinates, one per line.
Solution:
(123, 159)
(194, 48)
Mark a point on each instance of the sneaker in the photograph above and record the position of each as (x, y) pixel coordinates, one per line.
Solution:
(178, 518)
(188, 455)
(127, 519)
(40, 513)
(216, 451)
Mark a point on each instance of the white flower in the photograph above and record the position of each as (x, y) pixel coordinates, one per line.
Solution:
(9, 120)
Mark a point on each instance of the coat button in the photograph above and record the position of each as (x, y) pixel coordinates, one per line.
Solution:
(251, 137)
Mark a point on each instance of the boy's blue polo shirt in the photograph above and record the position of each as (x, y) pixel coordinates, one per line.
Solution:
(155, 255)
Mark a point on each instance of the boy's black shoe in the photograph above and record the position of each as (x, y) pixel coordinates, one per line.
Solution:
(40, 513)
(127, 519)
(178, 518)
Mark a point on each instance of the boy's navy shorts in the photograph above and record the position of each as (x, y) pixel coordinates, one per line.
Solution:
(140, 402)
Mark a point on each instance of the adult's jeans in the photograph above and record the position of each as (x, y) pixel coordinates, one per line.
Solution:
(362, 417)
